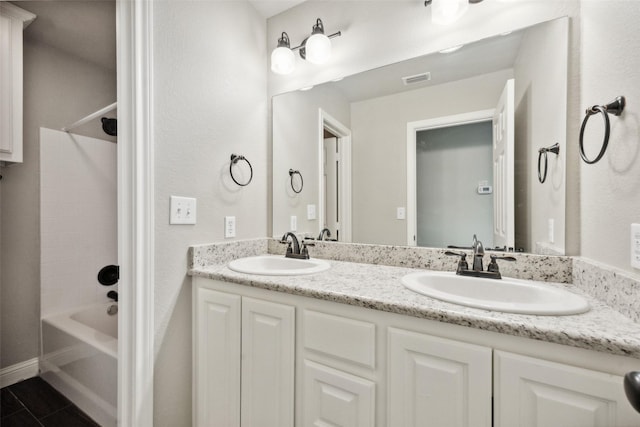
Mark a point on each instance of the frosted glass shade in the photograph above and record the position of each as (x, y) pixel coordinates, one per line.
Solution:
(283, 61)
(445, 12)
(318, 49)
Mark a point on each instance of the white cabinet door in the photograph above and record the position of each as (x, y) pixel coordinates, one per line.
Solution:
(216, 359)
(334, 398)
(534, 392)
(268, 351)
(12, 22)
(437, 382)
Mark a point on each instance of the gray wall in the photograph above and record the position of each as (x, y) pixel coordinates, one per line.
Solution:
(210, 101)
(58, 90)
(450, 162)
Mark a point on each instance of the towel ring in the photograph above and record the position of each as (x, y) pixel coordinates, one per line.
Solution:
(555, 149)
(235, 159)
(291, 174)
(615, 107)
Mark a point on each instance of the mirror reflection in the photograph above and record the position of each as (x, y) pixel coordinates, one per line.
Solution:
(432, 150)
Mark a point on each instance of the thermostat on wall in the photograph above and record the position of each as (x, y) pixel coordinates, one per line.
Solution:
(484, 187)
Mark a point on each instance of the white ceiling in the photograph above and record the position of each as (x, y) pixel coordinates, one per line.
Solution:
(269, 8)
(85, 29)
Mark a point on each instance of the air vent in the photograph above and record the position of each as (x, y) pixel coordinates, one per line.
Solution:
(422, 77)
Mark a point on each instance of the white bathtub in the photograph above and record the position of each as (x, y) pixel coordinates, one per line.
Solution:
(80, 359)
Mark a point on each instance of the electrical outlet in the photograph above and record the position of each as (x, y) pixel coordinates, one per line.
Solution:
(183, 210)
(294, 223)
(311, 212)
(229, 226)
(551, 230)
(401, 213)
(635, 246)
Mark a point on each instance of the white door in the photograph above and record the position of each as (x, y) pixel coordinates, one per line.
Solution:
(503, 169)
(437, 382)
(536, 393)
(331, 186)
(267, 363)
(217, 359)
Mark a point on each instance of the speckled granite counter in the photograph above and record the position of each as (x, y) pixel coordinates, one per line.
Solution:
(378, 287)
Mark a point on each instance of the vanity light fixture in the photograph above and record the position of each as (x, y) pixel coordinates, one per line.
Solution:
(446, 12)
(316, 49)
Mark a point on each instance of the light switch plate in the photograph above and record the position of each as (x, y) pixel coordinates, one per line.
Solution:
(401, 213)
(635, 246)
(182, 210)
(294, 223)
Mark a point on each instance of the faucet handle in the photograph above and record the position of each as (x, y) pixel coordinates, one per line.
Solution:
(493, 265)
(462, 264)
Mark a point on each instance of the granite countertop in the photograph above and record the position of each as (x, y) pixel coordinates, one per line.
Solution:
(378, 287)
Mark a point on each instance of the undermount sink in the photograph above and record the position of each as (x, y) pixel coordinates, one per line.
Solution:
(505, 295)
(272, 265)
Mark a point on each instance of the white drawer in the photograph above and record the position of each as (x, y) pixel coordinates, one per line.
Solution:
(341, 337)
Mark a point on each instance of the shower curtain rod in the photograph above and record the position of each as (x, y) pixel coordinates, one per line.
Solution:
(91, 117)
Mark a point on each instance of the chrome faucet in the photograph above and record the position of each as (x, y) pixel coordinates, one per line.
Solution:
(325, 232)
(493, 272)
(293, 247)
(478, 254)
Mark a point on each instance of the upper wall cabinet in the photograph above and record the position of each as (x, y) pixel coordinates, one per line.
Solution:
(13, 21)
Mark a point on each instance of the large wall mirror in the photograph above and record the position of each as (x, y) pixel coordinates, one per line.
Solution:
(434, 149)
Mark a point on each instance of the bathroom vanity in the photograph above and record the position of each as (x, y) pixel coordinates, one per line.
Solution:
(351, 346)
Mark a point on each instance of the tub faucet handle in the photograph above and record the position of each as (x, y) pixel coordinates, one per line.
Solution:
(113, 295)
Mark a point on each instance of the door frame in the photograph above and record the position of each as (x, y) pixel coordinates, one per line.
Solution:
(412, 129)
(135, 212)
(327, 121)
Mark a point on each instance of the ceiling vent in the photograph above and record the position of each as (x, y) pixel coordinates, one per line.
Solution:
(422, 77)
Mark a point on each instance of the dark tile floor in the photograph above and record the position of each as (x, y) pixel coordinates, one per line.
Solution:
(34, 402)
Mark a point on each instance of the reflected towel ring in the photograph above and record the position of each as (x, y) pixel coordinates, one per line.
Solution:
(291, 174)
(614, 107)
(555, 149)
(235, 159)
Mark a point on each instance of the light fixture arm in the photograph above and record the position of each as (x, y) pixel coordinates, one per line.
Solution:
(283, 41)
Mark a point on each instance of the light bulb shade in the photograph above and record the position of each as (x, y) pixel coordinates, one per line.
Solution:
(444, 12)
(318, 49)
(283, 61)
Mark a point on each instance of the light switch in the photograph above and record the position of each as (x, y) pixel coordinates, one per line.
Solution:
(183, 210)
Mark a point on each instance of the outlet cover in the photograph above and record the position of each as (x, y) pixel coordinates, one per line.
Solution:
(229, 226)
(635, 246)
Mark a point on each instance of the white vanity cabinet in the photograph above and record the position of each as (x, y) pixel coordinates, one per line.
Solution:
(532, 392)
(13, 20)
(243, 361)
(436, 381)
(358, 367)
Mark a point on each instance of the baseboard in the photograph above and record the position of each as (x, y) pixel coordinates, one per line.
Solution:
(18, 372)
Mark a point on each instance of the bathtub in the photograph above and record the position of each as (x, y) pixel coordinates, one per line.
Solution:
(80, 359)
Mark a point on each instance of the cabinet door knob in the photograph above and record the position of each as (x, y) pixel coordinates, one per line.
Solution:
(632, 388)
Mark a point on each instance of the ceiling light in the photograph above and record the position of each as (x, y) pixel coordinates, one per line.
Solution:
(452, 49)
(283, 61)
(444, 12)
(316, 49)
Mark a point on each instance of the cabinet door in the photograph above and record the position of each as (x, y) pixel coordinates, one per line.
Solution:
(534, 392)
(332, 398)
(268, 334)
(216, 359)
(437, 382)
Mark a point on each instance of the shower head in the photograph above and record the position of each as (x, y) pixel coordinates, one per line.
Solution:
(110, 126)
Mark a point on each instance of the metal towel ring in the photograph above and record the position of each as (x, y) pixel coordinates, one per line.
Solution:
(291, 174)
(235, 159)
(614, 107)
(555, 149)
